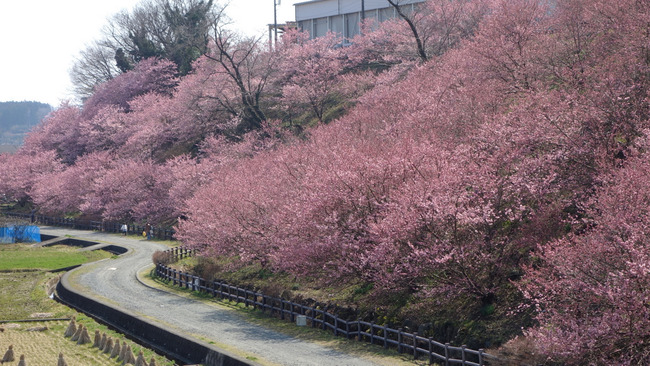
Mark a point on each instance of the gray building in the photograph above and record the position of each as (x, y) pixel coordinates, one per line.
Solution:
(343, 16)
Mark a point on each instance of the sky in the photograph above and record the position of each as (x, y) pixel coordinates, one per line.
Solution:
(40, 39)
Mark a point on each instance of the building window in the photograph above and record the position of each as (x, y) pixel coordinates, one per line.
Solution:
(407, 9)
(336, 24)
(305, 26)
(320, 27)
(372, 19)
(351, 25)
(386, 14)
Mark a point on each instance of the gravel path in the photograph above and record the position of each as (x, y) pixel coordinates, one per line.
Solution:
(115, 280)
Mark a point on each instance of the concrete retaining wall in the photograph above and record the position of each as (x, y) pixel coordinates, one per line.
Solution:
(167, 342)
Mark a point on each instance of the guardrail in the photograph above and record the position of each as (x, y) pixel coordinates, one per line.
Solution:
(319, 317)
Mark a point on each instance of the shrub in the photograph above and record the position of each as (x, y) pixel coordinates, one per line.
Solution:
(162, 257)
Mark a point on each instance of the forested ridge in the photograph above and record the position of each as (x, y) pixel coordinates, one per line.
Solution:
(495, 190)
(17, 118)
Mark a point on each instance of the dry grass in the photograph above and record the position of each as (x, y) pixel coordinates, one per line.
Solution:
(43, 347)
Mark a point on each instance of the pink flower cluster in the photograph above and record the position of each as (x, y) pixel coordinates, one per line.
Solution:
(510, 165)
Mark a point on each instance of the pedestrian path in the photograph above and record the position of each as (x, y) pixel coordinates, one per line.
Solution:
(115, 280)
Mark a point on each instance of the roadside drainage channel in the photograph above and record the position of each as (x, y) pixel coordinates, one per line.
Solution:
(173, 345)
(83, 244)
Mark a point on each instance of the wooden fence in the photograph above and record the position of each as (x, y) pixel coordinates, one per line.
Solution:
(106, 226)
(318, 316)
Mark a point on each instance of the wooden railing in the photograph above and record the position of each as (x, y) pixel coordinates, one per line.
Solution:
(318, 316)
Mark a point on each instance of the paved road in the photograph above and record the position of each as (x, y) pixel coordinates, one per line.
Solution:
(115, 280)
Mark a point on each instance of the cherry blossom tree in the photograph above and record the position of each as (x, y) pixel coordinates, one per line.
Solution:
(592, 289)
(67, 190)
(149, 76)
(58, 132)
(441, 185)
(130, 191)
(22, 170)
(311, 74)
(242, 70)
(437, 26)
(507, 170)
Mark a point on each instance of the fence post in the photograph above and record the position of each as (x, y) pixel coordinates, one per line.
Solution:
(463, 353)
(446, 354)
(385, 336)
(359, 335)
(347, 330)
(480, 356)
(415, 345)
(430, 350)
(282, 308)
(313, 317)
(336, 326)
(372, 332)
(399, 340)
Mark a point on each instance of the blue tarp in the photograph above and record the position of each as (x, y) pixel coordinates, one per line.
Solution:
(20, 234)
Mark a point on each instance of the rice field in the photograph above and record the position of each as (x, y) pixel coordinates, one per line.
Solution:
(24, 304)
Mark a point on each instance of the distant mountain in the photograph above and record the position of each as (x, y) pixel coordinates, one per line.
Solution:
(17, 118)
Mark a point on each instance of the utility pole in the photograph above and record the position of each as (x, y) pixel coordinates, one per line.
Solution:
(363, 16)
(275, 19)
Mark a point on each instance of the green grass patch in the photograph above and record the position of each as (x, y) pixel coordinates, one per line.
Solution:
(24, 256)
(23, 294)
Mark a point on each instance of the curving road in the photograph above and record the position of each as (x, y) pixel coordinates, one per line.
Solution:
(115, 280)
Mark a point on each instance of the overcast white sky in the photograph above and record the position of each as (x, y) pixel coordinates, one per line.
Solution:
(39, 39)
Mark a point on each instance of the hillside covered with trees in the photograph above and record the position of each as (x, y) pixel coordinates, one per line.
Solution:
(17, 118)
(496, 189)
